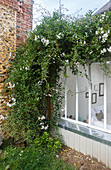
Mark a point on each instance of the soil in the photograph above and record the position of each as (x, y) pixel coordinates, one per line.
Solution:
(80, 161)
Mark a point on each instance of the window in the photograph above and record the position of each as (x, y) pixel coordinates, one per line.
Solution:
(88, 100)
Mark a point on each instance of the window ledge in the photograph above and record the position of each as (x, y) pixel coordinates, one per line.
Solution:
(97, 135)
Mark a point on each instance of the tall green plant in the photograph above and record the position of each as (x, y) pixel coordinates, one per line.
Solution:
(34, 73)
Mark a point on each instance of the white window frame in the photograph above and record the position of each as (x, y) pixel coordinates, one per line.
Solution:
(77, 103)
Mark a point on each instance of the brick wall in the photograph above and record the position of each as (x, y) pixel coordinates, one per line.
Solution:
(15, 21)
(23, 18)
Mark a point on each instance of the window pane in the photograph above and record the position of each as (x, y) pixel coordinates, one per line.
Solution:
(71, 95)
(97, 98)
(83, 95)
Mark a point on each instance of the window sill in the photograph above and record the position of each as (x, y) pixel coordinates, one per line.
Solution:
(100, 136)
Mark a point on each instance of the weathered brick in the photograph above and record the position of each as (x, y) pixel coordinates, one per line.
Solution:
(13, 17)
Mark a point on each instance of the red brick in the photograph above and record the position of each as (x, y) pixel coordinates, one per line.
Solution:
(23, 20)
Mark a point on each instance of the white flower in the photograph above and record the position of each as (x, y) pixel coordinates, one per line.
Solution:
(108, 31)
(43, 117)
(63, 54)
(10, 105)
(57, 156)
(103, 15)
(105, 35)
(13, 99)
(41, 123)
(49, 95)
(60, 35)
(102, 32)
(47, 42)
(35, 37)
(67, 61)
(21, 151)
(96, 32)
(2, 117)
(20, 154)
(63, 109)
(103, 51)
(91, 52)
(104, 40)
(11, 85)
(84, 42)
(26, 68)
(101, 20)
(39, 118)
(109, 49)
(46, 127)
(42, 127)
(44, 41)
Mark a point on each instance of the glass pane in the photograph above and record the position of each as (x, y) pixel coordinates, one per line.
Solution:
(83, 88)
(97, 98)
(109, 101)
(71, 95)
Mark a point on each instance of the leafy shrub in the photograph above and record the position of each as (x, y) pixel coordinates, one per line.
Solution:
(48, 143)
(34, 75)
(38, 156)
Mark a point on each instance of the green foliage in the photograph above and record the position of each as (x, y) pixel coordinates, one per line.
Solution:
(38, 156)
(47, 142)
(34, 73)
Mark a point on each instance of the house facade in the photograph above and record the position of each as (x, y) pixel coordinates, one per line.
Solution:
(16, 18)
(86, 111)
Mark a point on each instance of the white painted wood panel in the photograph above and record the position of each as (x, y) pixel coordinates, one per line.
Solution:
(95, 149)
(77, 142)
(82, 147)
(109, 159)
(88, 146)
(107, 155)
(71, 140)
(103, 153)
(99, 152)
